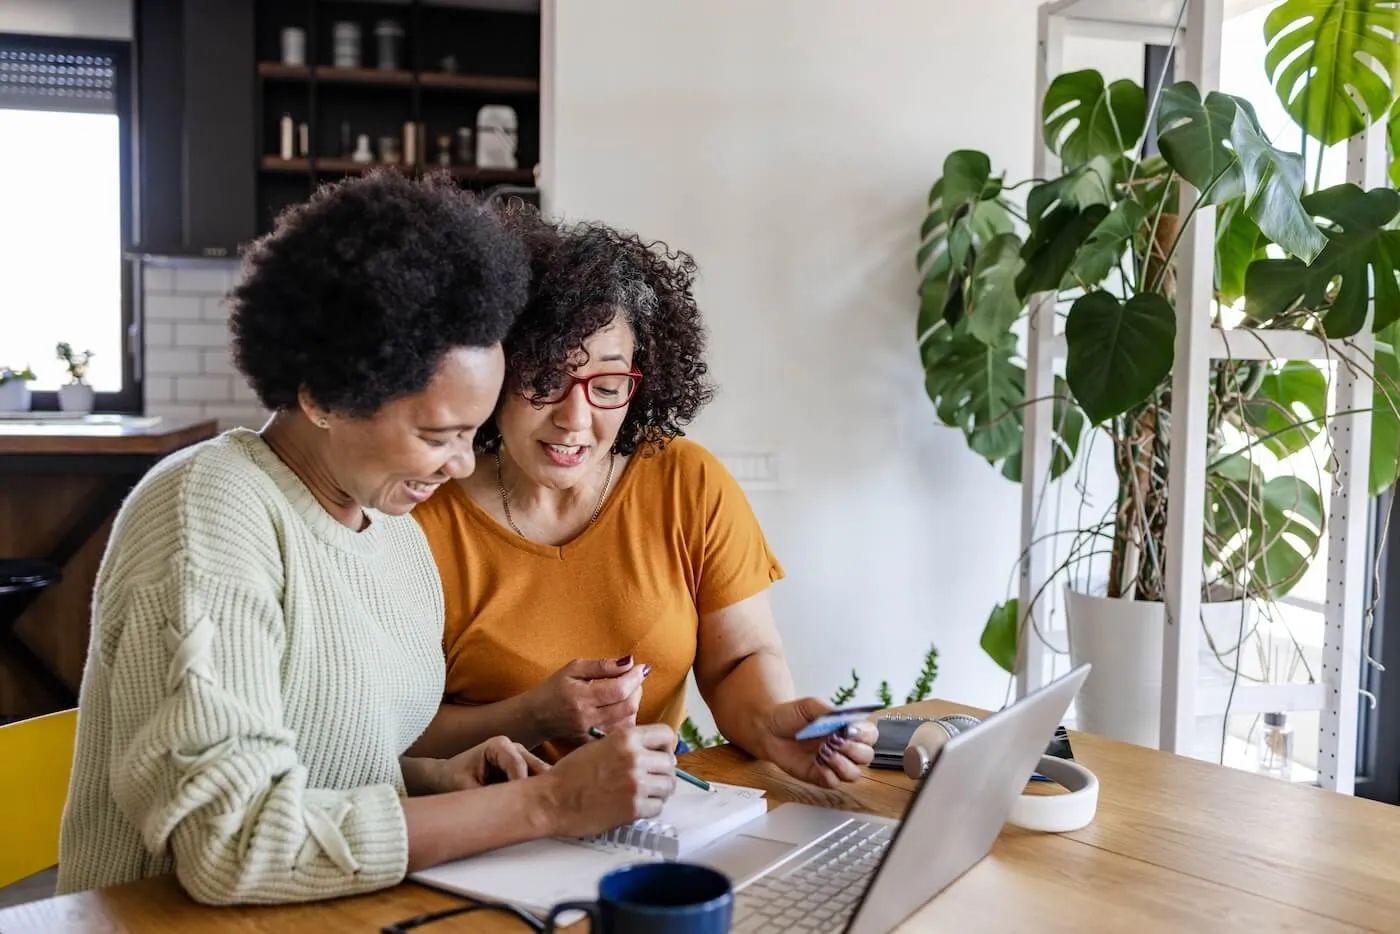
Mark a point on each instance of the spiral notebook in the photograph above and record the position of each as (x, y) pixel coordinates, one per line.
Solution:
(541, 873)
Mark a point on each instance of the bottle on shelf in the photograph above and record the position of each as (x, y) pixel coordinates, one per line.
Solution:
(285, 150)
(1276, 746)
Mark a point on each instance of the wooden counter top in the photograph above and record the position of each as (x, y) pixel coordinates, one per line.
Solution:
(44, 433)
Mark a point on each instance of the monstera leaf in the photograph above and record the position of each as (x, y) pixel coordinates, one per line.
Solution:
(1286, 413)
(1051, 249)
(1085, 118)
(1117, 352)
(993, 305)
(1106, 243)
(980, 389)
(963, 215)
(1385, 412)
(999, 635)
(956, 217)
(1333, 63)
(977, 388)
(1237, 244)
(1218, 147)
(1273, 184)
(1392, 135)
(1270, 530)
(1359, 249)
(1193, 136)
(1081, 187)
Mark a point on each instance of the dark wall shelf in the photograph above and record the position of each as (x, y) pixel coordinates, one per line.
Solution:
(276, 71)
(350, 167)
(211, 90)
(450, 62)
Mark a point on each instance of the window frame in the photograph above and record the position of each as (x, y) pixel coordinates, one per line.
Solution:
(129, 400)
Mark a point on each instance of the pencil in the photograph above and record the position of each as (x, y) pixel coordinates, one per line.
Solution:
(682, 774)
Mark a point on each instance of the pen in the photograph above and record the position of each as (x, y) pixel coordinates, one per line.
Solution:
(682, 774)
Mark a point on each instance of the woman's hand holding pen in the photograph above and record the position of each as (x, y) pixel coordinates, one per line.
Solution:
(603, 693)
(627, 775)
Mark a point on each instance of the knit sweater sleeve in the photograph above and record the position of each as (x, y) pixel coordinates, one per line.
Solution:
(212, 776)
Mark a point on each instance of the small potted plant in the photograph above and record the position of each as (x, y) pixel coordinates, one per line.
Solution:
(77, 395)
(14, 389)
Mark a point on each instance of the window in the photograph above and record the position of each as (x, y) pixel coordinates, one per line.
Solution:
(65, 187)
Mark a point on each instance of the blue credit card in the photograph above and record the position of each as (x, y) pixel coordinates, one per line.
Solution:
(829, 723)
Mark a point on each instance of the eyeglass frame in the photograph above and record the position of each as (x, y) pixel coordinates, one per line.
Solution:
(574, 380)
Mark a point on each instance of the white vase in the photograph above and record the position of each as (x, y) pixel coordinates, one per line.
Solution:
(75, 397)
(14, 396)
(1122, 639)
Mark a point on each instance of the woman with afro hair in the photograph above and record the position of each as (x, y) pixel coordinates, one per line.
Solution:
(267, 621)
(598, 557)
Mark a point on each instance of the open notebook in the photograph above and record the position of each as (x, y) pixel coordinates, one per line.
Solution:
(541, 873)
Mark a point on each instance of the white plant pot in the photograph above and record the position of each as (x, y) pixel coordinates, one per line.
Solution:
(75, 397)
(1122, 639)
(14, 396)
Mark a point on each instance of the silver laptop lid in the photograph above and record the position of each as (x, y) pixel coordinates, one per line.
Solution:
(961, 805)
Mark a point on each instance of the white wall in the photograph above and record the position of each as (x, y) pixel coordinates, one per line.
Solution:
(96, 19)
(789, 145)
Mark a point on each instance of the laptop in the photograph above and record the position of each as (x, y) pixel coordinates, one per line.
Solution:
(838, 872)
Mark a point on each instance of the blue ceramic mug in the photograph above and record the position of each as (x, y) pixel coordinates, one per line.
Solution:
(657, 898)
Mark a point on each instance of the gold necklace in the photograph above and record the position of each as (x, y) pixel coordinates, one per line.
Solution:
(505, 499)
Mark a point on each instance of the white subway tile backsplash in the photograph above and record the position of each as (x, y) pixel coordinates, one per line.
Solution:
(159, 389)
(158, 280)
(174, 410)
(214, 308)
(159, 333)
(188, 369)
(202, 388)
(229, 414)
(173, 307)
(203, 280)
(172, 362)
(217, 363)
(203, 334)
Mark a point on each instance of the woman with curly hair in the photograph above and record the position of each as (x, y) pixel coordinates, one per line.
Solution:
(267, 625)
(598, 557)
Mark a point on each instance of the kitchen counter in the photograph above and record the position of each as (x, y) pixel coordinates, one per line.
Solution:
(62, 480)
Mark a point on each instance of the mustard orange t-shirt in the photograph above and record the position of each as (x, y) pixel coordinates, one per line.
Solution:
(675, 540)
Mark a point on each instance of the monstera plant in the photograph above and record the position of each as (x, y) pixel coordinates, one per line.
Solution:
(1099, 242)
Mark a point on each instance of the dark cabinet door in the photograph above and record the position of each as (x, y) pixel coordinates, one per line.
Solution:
(195, 120)
(159, 102)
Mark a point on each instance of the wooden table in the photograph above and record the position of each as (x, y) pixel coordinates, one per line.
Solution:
(61, 482)
(1178, 846)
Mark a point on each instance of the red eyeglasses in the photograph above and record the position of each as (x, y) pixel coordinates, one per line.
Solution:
(602, 390)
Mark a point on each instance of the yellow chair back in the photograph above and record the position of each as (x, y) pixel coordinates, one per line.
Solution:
(36, 758)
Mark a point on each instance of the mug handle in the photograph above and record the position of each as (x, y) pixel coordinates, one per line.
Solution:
(595, 924)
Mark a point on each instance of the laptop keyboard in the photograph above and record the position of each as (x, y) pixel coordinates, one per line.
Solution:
(818, 890)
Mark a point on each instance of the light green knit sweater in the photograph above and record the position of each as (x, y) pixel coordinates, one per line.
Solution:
(254, 672)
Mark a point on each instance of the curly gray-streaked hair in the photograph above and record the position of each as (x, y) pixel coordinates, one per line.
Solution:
(583, 275)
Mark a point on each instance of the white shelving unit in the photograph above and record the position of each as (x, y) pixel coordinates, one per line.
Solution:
(1194, 27)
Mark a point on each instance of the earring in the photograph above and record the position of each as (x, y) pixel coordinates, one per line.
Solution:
(322, 423)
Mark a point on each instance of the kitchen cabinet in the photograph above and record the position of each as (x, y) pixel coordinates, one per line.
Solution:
(195, 126)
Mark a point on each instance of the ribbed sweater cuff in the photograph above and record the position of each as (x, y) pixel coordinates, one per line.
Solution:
(377, 834)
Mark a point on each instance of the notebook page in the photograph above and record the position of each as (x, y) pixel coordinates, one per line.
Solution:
(535, 876)
(541, 873)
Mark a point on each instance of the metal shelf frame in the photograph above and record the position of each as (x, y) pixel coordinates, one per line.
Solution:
(1196, 34)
